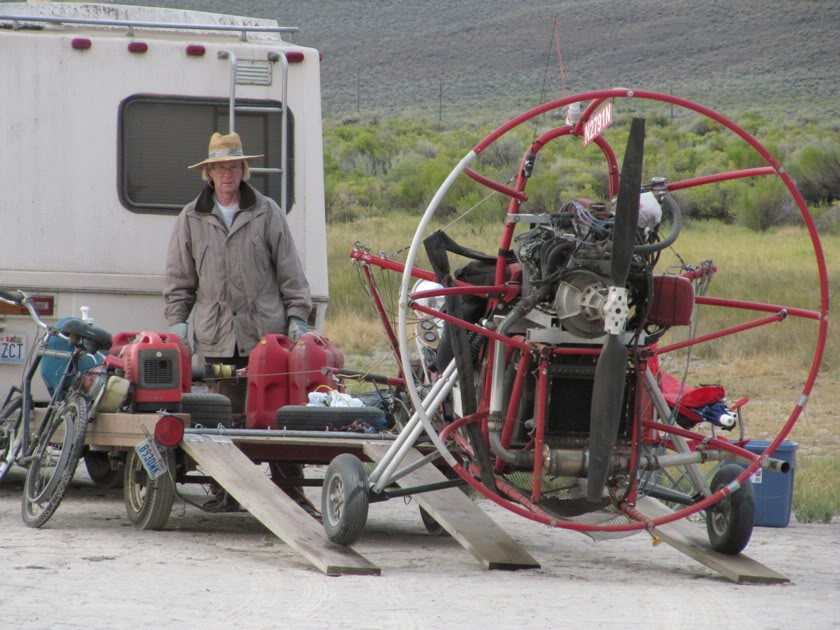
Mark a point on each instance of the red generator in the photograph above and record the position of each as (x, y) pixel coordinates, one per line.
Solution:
(158, 366)
(281, 372)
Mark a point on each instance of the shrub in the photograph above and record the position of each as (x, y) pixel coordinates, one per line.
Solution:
(817, 172)
(763, 205)
(827, 217)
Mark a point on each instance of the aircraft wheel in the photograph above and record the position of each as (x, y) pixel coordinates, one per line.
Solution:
(730, 521)
(344, 499)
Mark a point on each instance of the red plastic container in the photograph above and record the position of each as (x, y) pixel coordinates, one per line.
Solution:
(268, 381)
(673, 301)
(311, 353)
(124, 338)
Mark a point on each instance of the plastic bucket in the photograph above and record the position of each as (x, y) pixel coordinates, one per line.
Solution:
(773, 490)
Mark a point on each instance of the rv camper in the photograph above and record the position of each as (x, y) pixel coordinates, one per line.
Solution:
(103, 108)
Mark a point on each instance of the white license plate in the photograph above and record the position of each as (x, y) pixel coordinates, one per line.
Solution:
(12, 349)
(152, 460)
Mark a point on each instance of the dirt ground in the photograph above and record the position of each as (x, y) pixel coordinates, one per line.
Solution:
(89, 569)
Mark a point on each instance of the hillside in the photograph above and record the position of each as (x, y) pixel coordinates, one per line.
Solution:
(390, 56)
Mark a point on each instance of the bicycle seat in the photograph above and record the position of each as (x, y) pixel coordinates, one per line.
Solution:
(98, 338)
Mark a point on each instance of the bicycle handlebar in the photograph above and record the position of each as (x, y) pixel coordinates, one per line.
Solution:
(12, 297)
(19, 298)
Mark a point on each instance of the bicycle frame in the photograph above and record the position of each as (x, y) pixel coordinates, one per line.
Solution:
(71, 368)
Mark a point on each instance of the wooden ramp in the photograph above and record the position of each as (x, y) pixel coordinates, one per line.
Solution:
(220, 458)
(688, 538)
(459, 516)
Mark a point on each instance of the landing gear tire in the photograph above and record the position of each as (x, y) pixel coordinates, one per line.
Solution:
(344, 499)
(148, 502)
(730, 521)
(98, 464)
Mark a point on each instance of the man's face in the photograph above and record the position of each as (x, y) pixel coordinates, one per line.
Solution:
(226, 176)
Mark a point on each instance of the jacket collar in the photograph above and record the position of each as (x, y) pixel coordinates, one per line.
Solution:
(247, 198)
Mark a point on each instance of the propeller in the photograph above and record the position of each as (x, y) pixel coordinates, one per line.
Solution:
(610, 372)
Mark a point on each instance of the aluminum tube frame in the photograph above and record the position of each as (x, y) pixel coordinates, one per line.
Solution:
(410, 384)
(409, 434)
(679, 442)
(410, 468)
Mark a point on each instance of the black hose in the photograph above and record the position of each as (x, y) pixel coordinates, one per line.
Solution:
(676, 227)
(555, 255)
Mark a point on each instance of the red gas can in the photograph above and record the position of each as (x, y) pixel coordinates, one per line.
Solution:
(311, 353)
(185, 364)
(268, 381)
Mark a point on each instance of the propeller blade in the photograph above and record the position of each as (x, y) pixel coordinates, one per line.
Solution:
(627, 204)
(607, 400)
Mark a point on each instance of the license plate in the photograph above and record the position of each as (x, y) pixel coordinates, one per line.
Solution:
(12, 349)
(152, 460)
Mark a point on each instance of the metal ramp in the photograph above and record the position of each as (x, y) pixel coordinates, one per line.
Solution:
(683, 536)
(458, 515)
(220, 458)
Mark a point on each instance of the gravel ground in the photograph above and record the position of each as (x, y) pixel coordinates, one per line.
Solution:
(89, 569)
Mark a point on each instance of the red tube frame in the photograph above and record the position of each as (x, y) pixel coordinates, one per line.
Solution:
(775, 167)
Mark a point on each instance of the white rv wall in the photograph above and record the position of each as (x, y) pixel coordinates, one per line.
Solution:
(63, 228)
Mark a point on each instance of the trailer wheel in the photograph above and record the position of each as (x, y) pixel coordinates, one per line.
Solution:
(730, 521)
(98, 464)
(432, 526)
(148, 502)
(344, 499)
(306, 418)
(210, 409)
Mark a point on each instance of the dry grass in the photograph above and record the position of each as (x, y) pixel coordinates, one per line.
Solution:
(816, 496)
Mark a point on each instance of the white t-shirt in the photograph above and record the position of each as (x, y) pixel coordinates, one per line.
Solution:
(227, 212)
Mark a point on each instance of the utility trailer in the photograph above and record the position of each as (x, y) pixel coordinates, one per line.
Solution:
(236, 460)
(104, 107)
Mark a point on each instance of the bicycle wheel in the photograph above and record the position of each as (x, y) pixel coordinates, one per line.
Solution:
(10, 439)
(55, 456)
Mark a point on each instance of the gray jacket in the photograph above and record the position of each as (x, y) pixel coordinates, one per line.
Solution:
(243, 283)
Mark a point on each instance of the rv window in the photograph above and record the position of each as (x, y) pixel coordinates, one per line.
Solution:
(159, 136)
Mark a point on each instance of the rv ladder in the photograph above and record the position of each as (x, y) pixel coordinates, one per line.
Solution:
(232, 109)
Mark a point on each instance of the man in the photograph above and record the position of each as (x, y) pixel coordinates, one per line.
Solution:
(231, 258)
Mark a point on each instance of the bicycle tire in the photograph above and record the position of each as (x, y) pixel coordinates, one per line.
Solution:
(41, 497)
(10, 439)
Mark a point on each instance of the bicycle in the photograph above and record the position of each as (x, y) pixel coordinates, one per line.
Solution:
(76, 379)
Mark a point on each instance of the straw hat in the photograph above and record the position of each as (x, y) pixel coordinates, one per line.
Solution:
(224, 148)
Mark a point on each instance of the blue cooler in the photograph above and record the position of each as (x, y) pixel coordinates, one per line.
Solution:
(773, 490)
